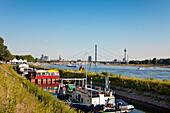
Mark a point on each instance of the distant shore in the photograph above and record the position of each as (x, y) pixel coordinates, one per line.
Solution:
(139, 65)
(128, 65)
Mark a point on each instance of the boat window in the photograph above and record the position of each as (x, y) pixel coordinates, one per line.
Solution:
(38, 74)
(52, 73)
(110, 101)
(43, 74)
(48, 74)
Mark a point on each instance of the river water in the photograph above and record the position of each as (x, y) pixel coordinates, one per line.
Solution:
(138, 72)
(143, 72)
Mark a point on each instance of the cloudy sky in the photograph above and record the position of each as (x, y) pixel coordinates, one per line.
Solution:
(67, 27)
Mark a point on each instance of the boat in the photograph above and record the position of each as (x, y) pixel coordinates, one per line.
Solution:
(94, 97)
(99, 99)
(23, 69)
(124, 105)
(140, 68)
(45, 78)
(72, 65)
(65, 91)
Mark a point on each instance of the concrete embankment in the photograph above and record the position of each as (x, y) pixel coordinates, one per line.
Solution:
(144, 97)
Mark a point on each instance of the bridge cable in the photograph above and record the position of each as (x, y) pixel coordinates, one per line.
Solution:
(79, 52)
(110, 52)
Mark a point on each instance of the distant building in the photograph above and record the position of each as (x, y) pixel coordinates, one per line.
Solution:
(89, 58)
(115, 60)
(45, 58)
(78, 60)
(60, 59)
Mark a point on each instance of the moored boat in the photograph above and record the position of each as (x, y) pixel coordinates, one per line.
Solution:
(45, 78)
(95, 97)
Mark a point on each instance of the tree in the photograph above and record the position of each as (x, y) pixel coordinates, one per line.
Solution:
(29, 58)
(131, 62)
(5, 54)
(154, 61)
(147, 61)
(167, 61)
(36, 59)
(105, 73)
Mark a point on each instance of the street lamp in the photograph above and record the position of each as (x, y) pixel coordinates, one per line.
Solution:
(86, 75)
(91, 87)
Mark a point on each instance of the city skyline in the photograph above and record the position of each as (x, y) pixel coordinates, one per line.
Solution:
(65, 27)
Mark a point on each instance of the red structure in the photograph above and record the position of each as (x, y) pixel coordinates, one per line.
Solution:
(44, 78)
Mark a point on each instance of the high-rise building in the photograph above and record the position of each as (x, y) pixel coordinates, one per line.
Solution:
(45, 58)
(89, 58)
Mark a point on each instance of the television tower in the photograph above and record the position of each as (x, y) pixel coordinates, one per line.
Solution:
(125, 55)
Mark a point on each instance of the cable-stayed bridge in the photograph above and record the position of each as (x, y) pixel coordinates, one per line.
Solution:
(95, 54)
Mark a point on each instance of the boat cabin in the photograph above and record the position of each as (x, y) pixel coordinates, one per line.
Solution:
(44, 78)
(23, 69)
(94, 96)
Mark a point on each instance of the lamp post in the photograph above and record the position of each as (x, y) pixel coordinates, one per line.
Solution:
(91, 88)
(86, 75)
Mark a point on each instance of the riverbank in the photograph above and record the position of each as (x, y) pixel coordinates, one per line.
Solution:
(145, 97)
(138, 65)
(153, 99)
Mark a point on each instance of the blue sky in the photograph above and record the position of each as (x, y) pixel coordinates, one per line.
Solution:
(66, 27)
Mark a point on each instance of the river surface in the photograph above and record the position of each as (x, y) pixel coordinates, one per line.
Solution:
(138, 72)
(156, 73)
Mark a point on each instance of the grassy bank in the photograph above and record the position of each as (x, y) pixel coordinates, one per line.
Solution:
(28, 98)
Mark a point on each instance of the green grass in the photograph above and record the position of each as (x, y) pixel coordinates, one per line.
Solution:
(15, 97)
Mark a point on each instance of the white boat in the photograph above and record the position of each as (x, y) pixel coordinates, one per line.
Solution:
(72, 65)
(23, 69)
(124, 105)
(95, 97)
(102, 100)
(140, 68)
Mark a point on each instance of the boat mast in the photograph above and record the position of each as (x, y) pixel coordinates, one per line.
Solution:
(86, 70)
(86, 75)
(91, 89)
